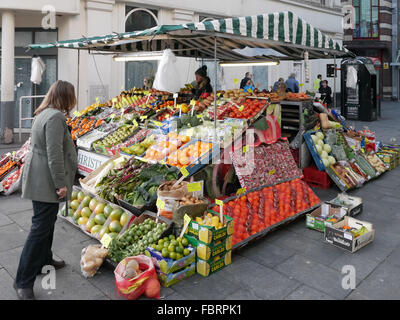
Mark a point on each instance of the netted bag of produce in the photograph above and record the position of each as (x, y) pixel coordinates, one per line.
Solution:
(331, 137)
(338, 152)
(168, 193)
(135, 276)
(92, 258)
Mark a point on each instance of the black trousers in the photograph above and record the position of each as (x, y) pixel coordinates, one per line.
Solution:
(37, 249)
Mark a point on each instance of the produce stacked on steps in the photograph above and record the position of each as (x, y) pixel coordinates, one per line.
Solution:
(258, 210)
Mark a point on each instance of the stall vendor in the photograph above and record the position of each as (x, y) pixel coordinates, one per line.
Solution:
(326, 93)
(203, 82)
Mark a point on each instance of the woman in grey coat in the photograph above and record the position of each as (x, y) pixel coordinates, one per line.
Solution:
(47, 180)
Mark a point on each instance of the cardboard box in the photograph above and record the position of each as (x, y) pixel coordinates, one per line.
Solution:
(167, 265)
(207, 252)
(345, 239)
(353, 204)
(167, 280)
(206, 268)
(318, 221)
(209, 234)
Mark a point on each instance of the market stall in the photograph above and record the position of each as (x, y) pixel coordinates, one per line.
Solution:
(187, 181)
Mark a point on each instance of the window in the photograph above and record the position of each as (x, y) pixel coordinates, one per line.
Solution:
(136, 71)
(366, 18)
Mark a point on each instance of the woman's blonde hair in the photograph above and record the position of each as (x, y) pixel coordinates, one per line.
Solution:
(61, 96)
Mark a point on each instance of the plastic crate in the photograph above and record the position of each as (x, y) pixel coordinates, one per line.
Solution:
(316, 178)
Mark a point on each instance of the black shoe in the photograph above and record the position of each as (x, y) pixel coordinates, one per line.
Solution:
(24, 293)
(57, 264)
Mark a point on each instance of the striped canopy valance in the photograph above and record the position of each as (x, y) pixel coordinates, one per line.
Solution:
(284, 32)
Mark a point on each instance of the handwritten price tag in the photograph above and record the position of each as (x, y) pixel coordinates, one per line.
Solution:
(184, 172)
(219, 202)
(76, 113)
(143, 117)
(245, 148)
(160, 204)
(193, 187)
(192, 102)
(186, 218)
(272, 172)
(106, 240)
(235, 81)
(157, 123)
(241, 108)
(241, 191)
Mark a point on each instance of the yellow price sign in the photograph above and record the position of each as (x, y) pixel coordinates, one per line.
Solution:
(160, 204)
(272, 172)
(218, 94)
(245, 148)
(115, 100)
(219, 202)
(184, 172)
(106, 240)
(97, 100)
(135, 123)
(236, 81)
(157, 123)
(162, 162)
(187, 219)
(76, 113)
(362, 150)
(241, 191)
(192, 102)
(143, 117)
(301, 84)
(193, 187)
(241, 108)
(199, 116)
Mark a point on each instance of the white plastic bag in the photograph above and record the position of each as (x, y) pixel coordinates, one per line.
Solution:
(351, 81)
(37, 68)
(167, 76)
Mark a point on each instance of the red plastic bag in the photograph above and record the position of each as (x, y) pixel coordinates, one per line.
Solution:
(144, 283)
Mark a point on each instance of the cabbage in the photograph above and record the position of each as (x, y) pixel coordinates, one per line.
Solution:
(314, 138)
(326, 162)
(319, 148)
(320, 135)
(321, 143)
(331, 160)
(327, 148)
(324, 154)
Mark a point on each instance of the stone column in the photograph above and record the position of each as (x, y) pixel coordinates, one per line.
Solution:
(7, 76)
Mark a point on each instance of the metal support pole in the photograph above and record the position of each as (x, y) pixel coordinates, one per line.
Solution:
(77, 82)
(215, 87)
(334, 83)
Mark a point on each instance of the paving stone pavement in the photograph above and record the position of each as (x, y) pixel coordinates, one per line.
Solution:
(291, 262)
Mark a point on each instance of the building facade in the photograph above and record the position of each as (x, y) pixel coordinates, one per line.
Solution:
(371, 36)
(99, 76)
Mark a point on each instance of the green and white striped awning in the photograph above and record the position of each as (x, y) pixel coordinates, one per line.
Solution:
(283, 32)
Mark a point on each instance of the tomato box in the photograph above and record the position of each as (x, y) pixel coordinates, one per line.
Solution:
(207, 252)
(206, 268)
(324, 215)
(167, 280)
(345, 239)
(167, 265)
(209, 234)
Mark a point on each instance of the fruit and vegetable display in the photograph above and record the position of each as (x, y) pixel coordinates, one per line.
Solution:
(297, 96)
(189, 154)
(7, 167)
(11, 182)
(81, 125)
(275, 159)
(258, 210)
(165, 145)
(354, 231)
(171, 247)
(140, 148)
(134, 139)
(135, 239)
(116, 137)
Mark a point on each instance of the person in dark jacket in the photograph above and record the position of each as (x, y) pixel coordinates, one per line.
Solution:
(326, 93)
(203, 82)
(247, 80)
(292, 84)
(47, 179)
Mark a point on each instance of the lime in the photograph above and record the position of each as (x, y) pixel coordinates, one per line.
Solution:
(174, 242)
(159, 247)
(165, 252)
(172, 255)
(185, 242)
(171, 248)
(166, 239)
(179, 256)
(186, 252)
(171, 237)
(166, 244)
(161, 242)
(178, 249)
